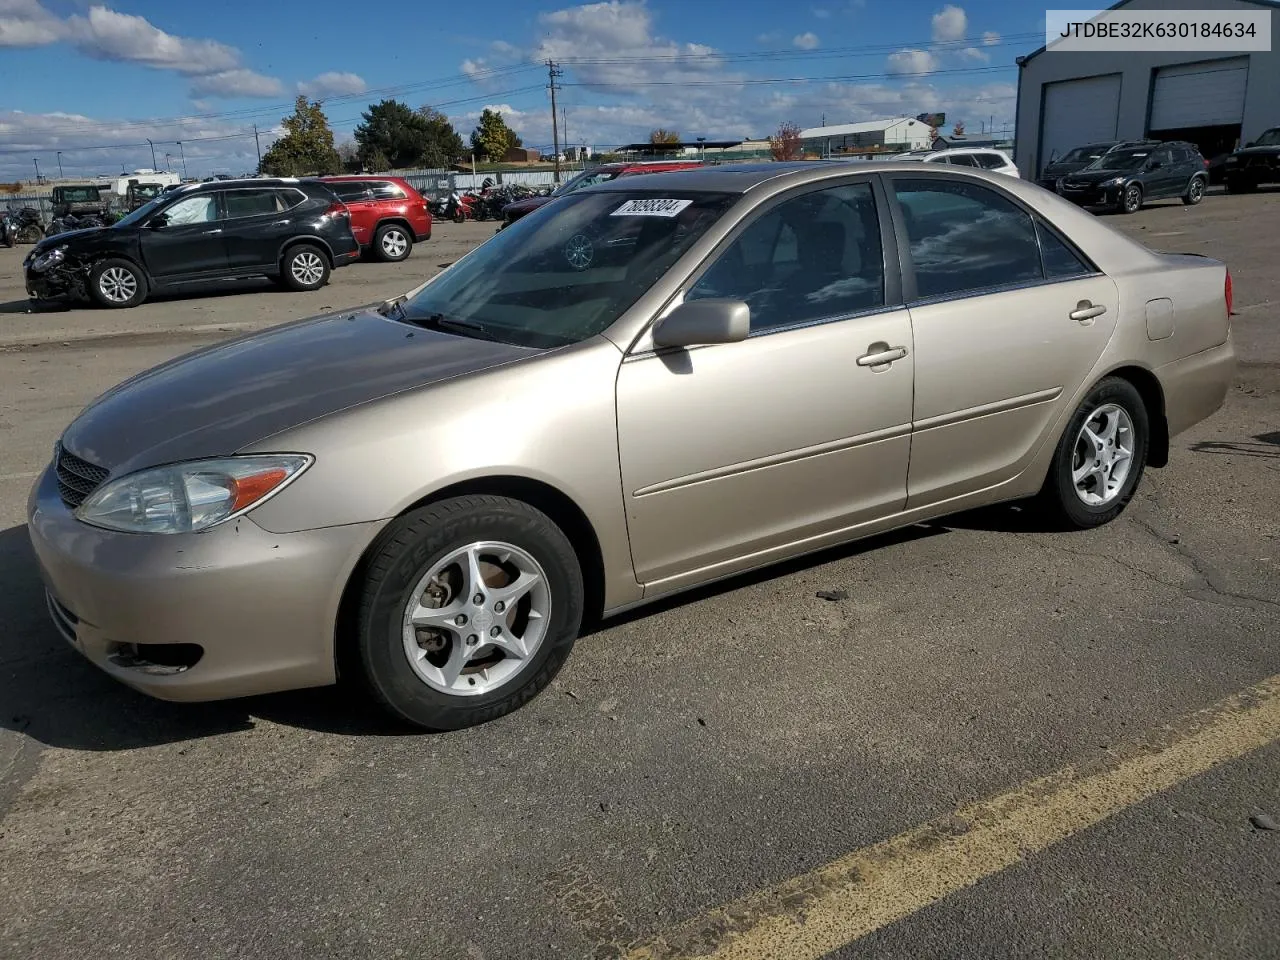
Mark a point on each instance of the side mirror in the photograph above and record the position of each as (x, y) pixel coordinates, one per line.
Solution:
(1251, 143)
(158, 222)
(698, 322)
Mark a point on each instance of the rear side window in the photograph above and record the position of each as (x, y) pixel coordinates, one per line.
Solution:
(288, 199)
(383, 190)
(966, 237)
(349, 190)
(963, 160)
(250, 203)
(990, 161)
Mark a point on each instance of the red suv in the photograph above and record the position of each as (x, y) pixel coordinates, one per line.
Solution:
(387, 214)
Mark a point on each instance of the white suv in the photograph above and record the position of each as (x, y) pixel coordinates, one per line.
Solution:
(984, 158)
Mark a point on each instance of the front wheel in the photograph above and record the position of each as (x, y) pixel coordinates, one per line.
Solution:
(1100, 457)
(1240, 185)
(1195, 192)
(305, 267)
(1131, 199)
(469, 607)
(117, 283)
(30, 233)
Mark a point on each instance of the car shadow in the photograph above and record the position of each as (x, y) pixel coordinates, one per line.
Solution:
(34, 306)
(1265, 446)
(53, 695)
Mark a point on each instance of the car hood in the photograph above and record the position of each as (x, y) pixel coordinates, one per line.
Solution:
(1061, 168)
(88, 233)
(218, 400)
(521, 207)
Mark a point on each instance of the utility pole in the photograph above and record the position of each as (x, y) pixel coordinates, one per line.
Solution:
(36, 161)
(257, 144)
(183, 154)
(153, 153)
(564, 125)
(59, 164)
(552, 72)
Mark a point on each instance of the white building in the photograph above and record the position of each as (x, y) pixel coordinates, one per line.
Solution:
(1213, 99)
(896, 133)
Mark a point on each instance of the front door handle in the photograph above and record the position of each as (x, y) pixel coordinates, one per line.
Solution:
(1086, 311)
(209, 232)
(881, 354)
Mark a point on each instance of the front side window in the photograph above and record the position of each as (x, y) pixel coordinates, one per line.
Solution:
(1270, 138)
(567, 274)
(966, 237)
(250, 203)
(813, 257)
(202, 208)
(382, 190)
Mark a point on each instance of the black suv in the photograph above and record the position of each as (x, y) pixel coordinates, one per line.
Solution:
(1258, 162)
(1125, 179)
(293, 231)
(1080, 157)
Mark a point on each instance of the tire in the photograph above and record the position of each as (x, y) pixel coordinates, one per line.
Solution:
(428, 690)
(1195, 191)
(1241, 185)
(1131, 199)
(117, 283)
(1061, 499)
(459, 215)
(392, 243)
(304, 267)
(30, 233)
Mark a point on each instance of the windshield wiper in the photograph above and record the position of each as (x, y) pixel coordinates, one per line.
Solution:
(438, 321)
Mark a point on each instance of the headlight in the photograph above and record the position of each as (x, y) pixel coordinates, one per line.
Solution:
(189, 497)
(49, 258)
(1113, 182)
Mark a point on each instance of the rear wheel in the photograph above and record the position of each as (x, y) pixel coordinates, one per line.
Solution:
(468, 609)
(1131, 199)
(304, 267)
(117, 283)
(1099, 459)
(1240, 185)
(1195, 191)
(392, 242)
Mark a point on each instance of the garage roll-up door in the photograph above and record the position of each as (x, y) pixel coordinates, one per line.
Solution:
(1204, 94)
(1077, 112)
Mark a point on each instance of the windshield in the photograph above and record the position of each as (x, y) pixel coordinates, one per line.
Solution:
(1121, 160)
(1270, 138)
(144, 211)
(569, 273)
(146, 190)
(586, 178)
(79, 194)
(1082, 154)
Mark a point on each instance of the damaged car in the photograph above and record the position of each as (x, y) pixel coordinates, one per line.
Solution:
(291, 231)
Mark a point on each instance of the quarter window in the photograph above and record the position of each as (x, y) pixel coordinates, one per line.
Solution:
(990, 161)
(1060, 261)
(349, 191)
(386, 191)
(816, 256)
(963, 160)
(966, 237)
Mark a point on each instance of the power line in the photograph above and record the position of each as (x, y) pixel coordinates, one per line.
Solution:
(759, 80)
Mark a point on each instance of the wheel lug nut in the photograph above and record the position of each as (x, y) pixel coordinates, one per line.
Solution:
(471, 640)
(478, 599)
(499, 607)
(495, 631)
(461, 620)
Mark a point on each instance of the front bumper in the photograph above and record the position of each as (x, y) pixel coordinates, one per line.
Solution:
(63, 281)
(261, 607)
(1091, 195)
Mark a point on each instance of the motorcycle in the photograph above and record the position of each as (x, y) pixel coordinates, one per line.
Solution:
(72, 222)
(457, 207)
(8, 229)
(29, 225)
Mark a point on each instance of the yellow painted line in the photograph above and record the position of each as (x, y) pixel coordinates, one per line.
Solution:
(809, 916)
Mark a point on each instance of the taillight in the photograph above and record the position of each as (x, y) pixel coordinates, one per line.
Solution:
(1228, 294)
(338, 210)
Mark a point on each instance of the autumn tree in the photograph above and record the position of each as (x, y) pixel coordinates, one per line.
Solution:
(393, 136)
(306, 147)
(785, 144)
(662, 137)
(492, 138)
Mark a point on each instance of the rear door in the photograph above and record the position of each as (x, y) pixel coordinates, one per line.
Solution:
(1166, 179)
(358, 197)
(190, 243)
(992, 291)
(258, 221)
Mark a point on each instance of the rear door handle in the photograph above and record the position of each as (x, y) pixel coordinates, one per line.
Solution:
(208, 232)
(886, 354)
(1086, 311)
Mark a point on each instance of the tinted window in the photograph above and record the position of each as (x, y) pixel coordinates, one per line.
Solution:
(965, 237)
(202, 208)
(249, 203)
(963, 160)
(815, 256)
(991, 161)
(288, 199)
(349, 190)
(386, 191)
(1060, 261)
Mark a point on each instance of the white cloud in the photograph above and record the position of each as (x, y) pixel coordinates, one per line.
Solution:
(472, 67)
(990, 38)
(806, 41)
(236, 83)
(909, 61)
(108, 35)
(949, 23)
(332, 84)
(822, 13)
(24, 23)
(773, 36)
(974, 55)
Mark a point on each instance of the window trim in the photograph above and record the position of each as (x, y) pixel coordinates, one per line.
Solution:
(892, 281)
(907, 265)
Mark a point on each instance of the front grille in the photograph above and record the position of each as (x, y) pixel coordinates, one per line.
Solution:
(77, 478)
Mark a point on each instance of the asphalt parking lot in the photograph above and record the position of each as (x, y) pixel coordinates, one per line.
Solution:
(1091, 719)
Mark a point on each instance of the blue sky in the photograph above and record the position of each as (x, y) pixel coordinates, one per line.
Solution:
(80, 75)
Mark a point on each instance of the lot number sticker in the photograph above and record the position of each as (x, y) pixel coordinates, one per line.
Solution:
(651, 208)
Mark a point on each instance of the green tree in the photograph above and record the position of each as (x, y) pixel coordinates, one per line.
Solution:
(306, 147)
(394, 136)
(663, 137)
(492, 138)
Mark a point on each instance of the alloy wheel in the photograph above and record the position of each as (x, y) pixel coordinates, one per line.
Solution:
(307, 268)
(477, 618)
(394, 243)
(1103, 455)
(1133, 199)
(118, 285)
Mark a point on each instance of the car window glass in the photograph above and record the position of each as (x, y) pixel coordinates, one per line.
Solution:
(812, 257)
(1060, 261)
(288, 199)
(349, 190)
(386, 191)
(249, 203)
(965, 237)
(963, 160)
(990, 161)
(941, 159)
(198, 209)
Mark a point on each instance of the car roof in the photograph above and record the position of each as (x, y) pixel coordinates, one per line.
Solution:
(242, 182)
(742, 177)
(357, 176)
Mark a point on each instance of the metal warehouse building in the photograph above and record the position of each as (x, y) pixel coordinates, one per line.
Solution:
(1213, 99)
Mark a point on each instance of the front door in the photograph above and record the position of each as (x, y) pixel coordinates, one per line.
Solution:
(188, 242)
(1167, 179)
(734, 454)
(1008, 321)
